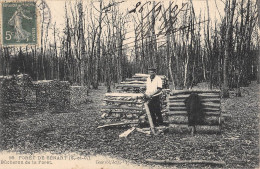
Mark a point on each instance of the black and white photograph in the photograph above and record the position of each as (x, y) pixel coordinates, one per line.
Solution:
(129, 84)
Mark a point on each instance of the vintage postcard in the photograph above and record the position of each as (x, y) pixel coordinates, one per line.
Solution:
(122, 84)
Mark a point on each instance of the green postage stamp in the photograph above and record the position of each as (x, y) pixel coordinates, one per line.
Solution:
(18, 23)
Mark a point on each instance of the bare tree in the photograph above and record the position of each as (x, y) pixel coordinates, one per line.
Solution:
(228, 37)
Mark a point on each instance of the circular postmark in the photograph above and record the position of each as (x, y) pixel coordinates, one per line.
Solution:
(45, 12)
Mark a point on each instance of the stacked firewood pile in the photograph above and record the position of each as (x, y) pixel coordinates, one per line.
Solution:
(10, 94)
(177, 112)
(52, 95)
(27, 90)
(137, 84)
(78, 94)
(19, 93)
(14, 93)
(126, 106)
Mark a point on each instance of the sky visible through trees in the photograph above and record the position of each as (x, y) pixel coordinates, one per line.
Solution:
(93, 42)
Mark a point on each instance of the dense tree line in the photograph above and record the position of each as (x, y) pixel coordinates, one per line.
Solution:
(188, 47)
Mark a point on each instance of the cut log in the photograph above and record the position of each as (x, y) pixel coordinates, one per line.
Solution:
(157, 128)
(184, 113)
(186, 162)
(114, 111)
(215, 100)
(133, 82)
(176, 92)
(178, 108)
(140, 79)
(180, 96)
(184, 128)
(118, 124)
(211, 109)
(207, 129)
(131, 85)
(127, 132)
(205, 104)
(122, 101)
(209, 120)
(211, 105)
(123, 107)
(176, 104)
(204, 98)
(184, 109)
(179, 128)
(209, 95)
(137, 75)
(177, 113)
(148, 132)
(132, 95)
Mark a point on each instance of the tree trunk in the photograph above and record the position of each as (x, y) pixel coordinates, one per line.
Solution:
(95, 84)
(81, 44)
(258, 67)
(228, 38)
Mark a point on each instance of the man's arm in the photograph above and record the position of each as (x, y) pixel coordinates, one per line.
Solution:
(159, 89)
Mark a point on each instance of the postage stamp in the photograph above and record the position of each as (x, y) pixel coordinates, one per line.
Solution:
(19, 23)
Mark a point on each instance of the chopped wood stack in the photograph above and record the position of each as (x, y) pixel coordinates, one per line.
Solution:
(127, 104)
(137, 84)
(177, 113)
(122, 107)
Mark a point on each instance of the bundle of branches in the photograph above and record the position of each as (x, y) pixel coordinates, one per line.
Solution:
(52, 94)
(27, 90)
(59, 95)
(78, 94)
(11, 98)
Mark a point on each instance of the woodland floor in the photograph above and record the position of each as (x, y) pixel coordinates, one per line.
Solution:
(76, 131)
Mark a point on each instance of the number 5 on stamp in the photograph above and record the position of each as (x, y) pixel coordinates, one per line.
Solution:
(18, 23)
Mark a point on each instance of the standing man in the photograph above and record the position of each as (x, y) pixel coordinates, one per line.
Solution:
(153, 91)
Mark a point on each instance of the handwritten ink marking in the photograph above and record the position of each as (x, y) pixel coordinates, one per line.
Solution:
(136, 6)
(141, 8)
(143, 30)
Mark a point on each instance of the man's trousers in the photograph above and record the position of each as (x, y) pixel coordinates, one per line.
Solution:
(155, 110)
